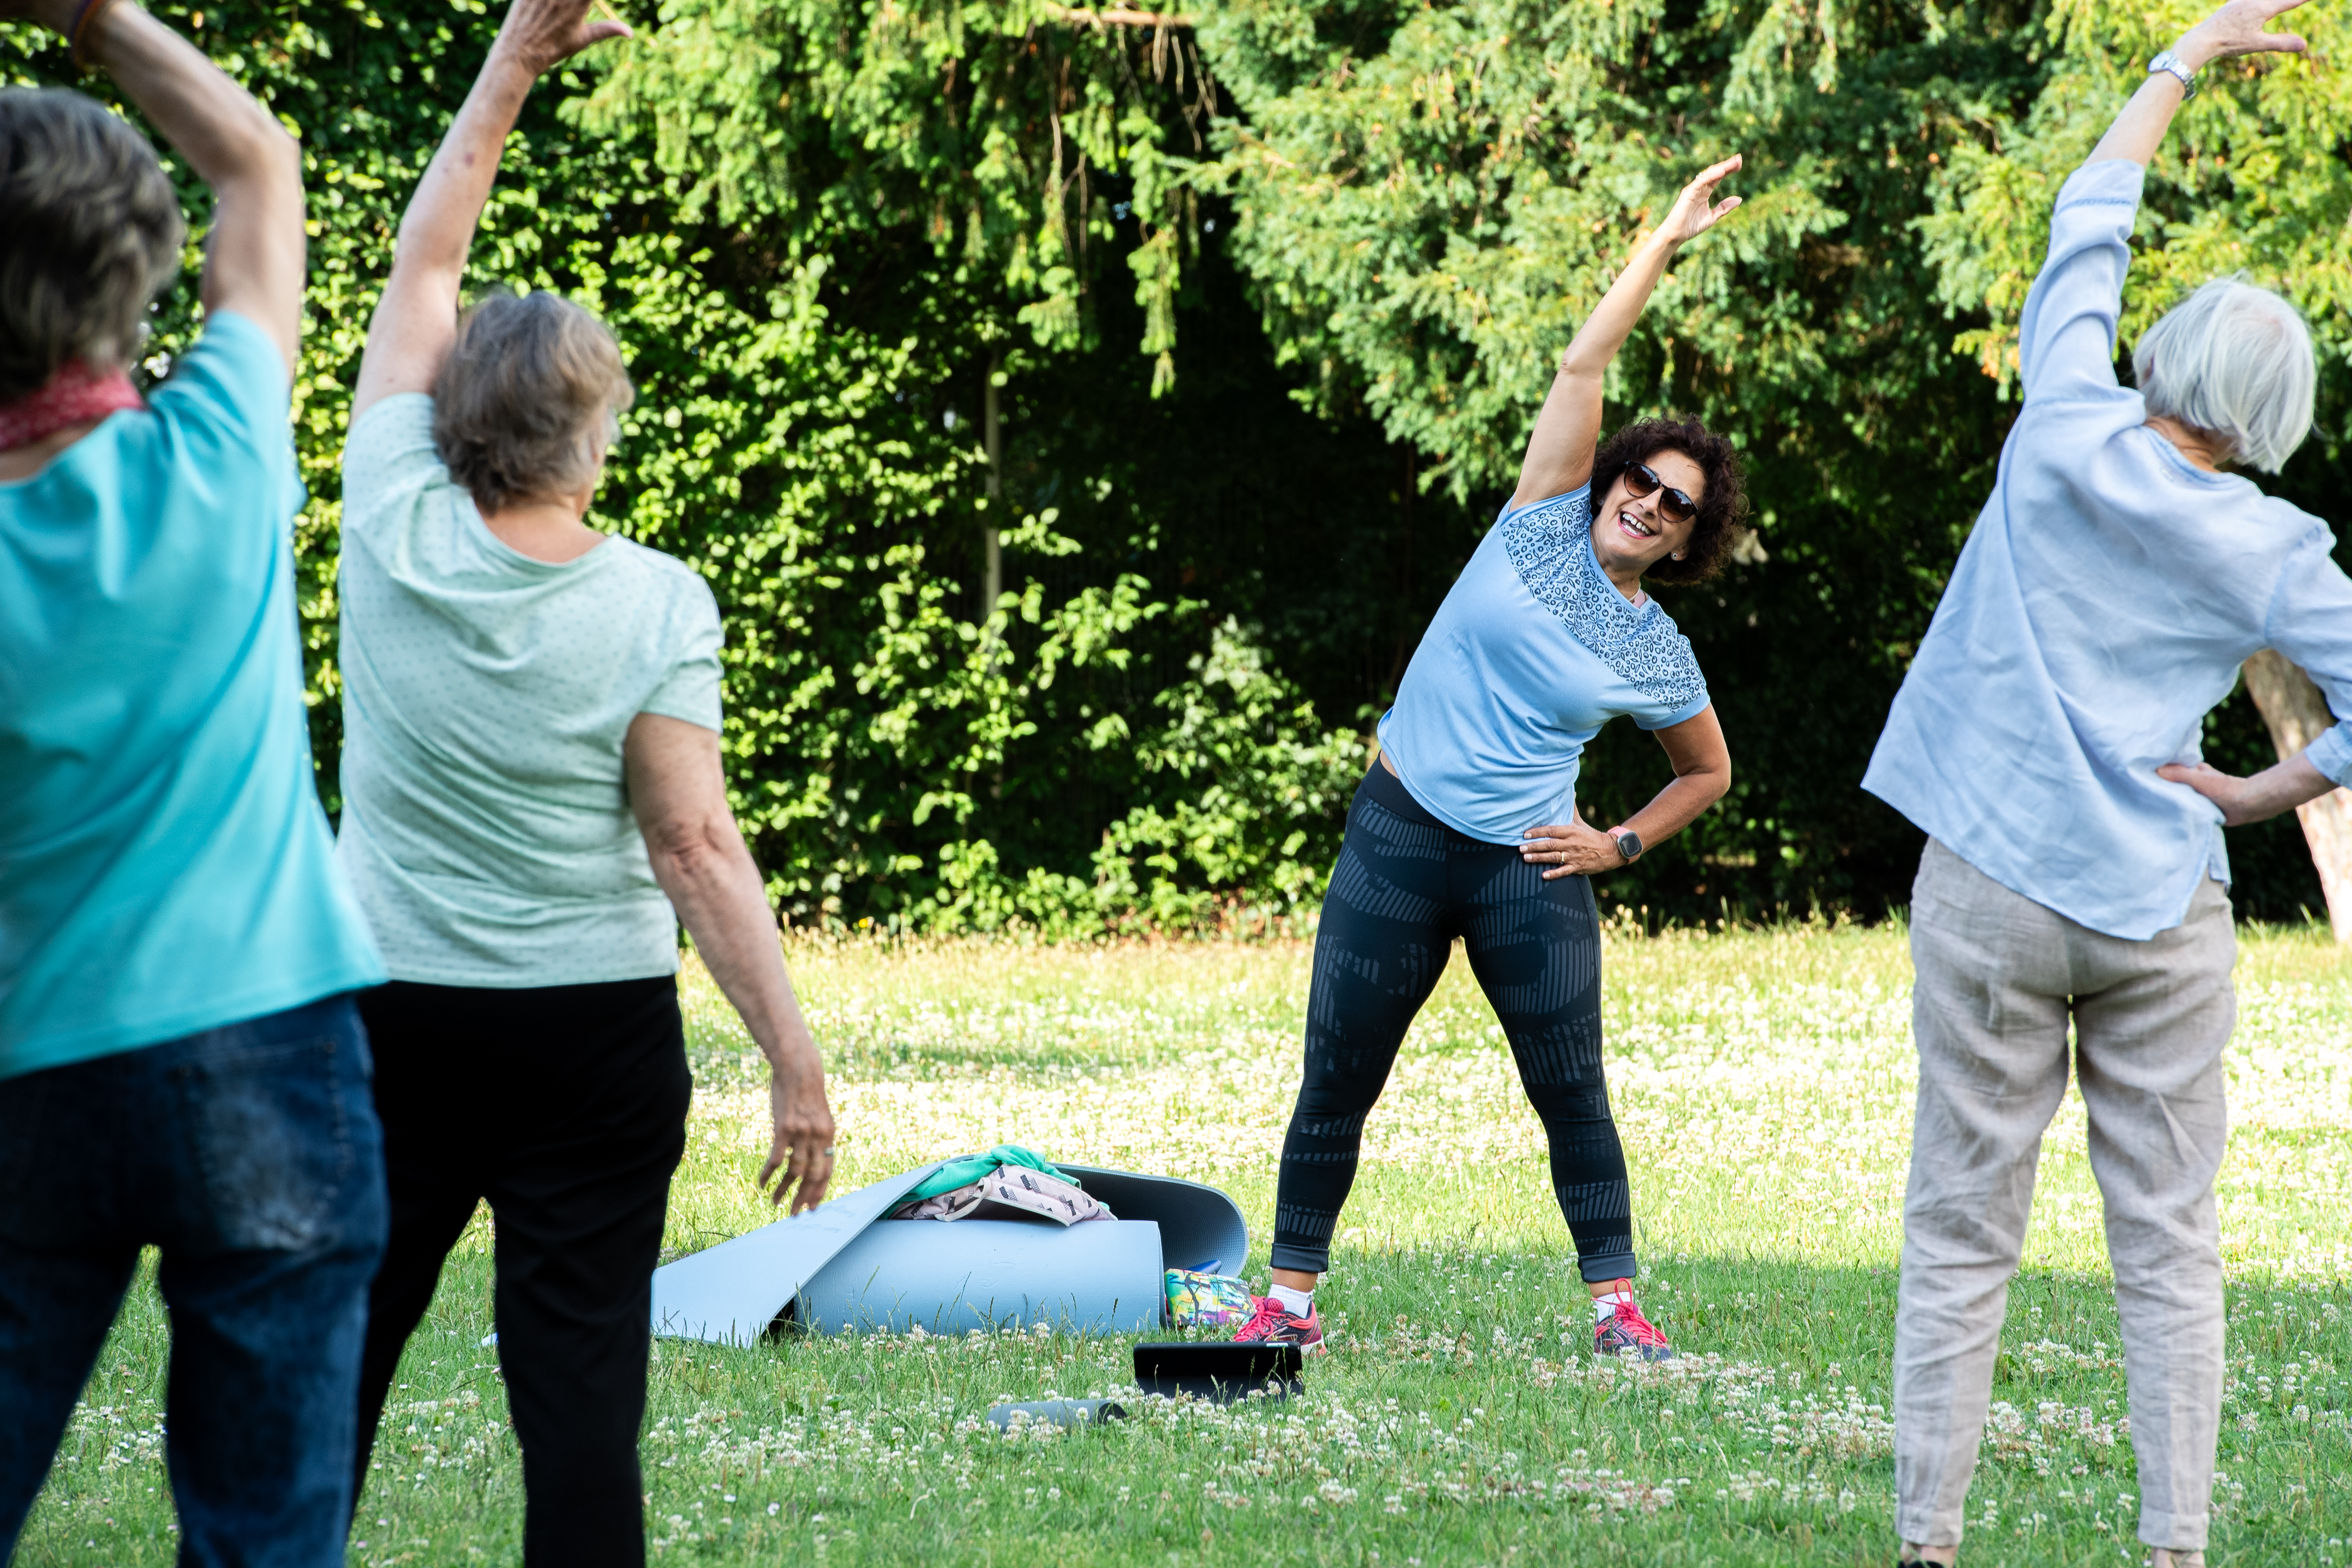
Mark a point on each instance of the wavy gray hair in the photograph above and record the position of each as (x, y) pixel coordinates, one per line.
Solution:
(2235, 361)
(531, 384)
(89, 232)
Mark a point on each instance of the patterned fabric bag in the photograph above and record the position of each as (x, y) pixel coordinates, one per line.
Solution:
(1007, 1191)
(1198, 1300)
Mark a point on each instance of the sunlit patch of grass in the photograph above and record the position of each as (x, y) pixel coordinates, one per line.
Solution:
(1763, 1082)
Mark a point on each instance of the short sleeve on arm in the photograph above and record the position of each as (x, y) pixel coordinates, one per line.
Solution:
(234, 375)
(1583, 490)
(229, 398)
(1668, 719)
(388, 458)
(689, 689)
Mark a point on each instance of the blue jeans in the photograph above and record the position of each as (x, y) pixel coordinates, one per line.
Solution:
(252, 1157)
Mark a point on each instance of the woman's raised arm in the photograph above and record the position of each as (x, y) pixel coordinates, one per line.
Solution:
(254, 255)
(417, 320)
(2240, 27)
(1559, 453)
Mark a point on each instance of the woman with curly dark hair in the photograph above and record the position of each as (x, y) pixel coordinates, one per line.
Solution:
(1467, 826)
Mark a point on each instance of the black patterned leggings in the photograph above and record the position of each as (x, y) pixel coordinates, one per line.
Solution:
(1405, 886)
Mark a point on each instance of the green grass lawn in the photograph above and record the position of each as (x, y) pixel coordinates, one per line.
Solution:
(1763, 1084)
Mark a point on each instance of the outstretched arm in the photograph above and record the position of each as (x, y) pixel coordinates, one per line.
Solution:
(417, 320)
(2240, 27)
(254, 256)
(1559, 453)
(680, 793)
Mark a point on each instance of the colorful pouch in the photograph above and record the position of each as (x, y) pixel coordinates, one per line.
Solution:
(1199, 1300)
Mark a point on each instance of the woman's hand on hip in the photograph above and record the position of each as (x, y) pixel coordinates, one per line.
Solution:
(2257, 799)
(802, 1149)
(1570, 849)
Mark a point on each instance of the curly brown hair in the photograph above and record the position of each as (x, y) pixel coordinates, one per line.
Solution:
(1722, 502)
(89, 232)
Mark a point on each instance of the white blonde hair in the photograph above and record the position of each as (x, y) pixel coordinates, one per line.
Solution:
(2233, 360)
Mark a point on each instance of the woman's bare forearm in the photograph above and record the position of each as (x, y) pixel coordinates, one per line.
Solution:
(2139, 129)
(1560, 452)
(2239, 27)
(1597, 342)
(2279, 788)
(415, 322)
(715, 887)
(256, 254)
(1676, 806)
(437, 230)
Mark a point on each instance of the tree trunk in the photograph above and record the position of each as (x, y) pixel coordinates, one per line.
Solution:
(992, 582)
(2297, 715)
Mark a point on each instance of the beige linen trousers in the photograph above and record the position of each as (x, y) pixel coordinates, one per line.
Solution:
(1998, 979)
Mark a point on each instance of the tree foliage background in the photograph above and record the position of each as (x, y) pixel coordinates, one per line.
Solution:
(1265, 299)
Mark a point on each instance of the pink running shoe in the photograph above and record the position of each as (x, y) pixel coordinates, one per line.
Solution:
(1626, 1330)
(1272, 1325)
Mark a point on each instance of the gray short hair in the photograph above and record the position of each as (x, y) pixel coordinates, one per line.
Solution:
(89, 232)
(2235, 361)
(529, 384)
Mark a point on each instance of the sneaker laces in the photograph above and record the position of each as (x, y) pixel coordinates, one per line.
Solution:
(1637, 1327)
(1269, 1315)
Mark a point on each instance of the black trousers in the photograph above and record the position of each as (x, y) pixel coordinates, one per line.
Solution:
(1405, 886)
(565, 1107)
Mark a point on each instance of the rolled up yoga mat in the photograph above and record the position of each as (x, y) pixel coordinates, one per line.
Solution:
(843, 1267)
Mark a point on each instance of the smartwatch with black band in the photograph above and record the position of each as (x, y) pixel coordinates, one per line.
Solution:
(1629, 844)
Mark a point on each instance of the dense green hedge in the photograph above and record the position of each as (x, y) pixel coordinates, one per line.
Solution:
(1262, 375)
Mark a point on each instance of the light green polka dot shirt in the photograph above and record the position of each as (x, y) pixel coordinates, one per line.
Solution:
(486, 826)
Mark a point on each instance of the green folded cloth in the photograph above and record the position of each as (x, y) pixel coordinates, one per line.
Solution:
(971, 1167)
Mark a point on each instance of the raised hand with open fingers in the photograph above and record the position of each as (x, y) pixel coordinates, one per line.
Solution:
(2240, 27)
(1696, 210)
(542, 34)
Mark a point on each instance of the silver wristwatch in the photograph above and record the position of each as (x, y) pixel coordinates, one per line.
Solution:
(1629, 844)
(2168, 61)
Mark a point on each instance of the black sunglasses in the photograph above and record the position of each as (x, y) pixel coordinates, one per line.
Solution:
(1641, 479)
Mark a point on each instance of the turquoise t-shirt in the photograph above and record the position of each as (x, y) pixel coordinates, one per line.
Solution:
(164, 865)
(1532, 651)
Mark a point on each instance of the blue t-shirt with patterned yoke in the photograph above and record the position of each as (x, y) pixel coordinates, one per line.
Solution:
(1533, 650)
(164, 865)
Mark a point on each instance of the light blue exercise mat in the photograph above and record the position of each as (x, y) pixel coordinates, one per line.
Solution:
(841, 1267)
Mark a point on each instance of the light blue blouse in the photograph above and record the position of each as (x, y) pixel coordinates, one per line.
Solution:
(1532, 651)
(2101, 607)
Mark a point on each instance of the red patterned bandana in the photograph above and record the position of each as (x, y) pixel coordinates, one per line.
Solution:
(74, 394)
